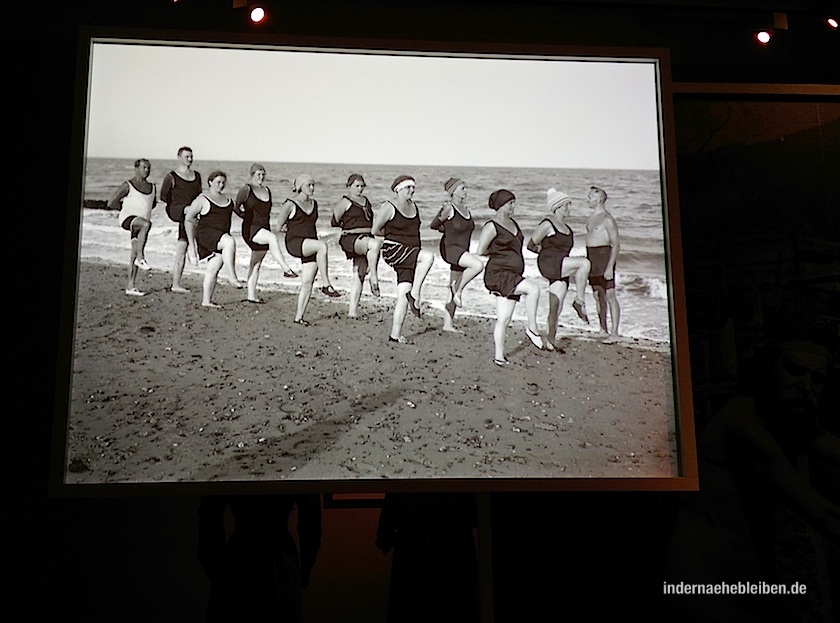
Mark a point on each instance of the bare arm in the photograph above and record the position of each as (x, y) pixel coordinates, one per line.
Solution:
(488, 232)
(612, 230)
(166, 189)
(239, 202)
(381, 216)
(117, 197)
(444, 214)
(191, 216)
(283, 214)
(339, 210)
(534, 241)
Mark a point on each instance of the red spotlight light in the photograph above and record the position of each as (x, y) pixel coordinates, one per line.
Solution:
(257, 14)
(763, 37)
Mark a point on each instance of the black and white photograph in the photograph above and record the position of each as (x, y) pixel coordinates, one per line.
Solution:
(355, 265)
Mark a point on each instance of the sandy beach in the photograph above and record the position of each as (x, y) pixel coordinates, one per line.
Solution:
(166, 390)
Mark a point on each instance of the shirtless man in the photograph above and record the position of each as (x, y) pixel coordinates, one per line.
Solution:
(602, 247)
(177, 191)
(135, 199)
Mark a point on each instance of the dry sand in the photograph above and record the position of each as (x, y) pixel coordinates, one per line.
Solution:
(166, 390)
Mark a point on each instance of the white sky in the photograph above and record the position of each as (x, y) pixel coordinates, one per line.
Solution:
(292, 106)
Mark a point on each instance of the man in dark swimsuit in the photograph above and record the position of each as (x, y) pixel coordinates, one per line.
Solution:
(177, 191)
(401, 251)
(602, 247)
(135, 199)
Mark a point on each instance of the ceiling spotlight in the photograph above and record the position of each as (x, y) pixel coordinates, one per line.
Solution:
(257, 14)
(832, 22)
(763, 37)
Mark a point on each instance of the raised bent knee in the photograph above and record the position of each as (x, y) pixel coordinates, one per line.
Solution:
(468, 260)
(530, 287)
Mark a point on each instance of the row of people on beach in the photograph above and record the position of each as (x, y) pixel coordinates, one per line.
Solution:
(390, 232)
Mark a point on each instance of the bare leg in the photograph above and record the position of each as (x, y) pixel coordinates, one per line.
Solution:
(138, 225)
(254, 274)
(504, 312)
(214, 265)
(178, 267)
(227, 245)
(600, 301)
(318, 248)
(400, 309)
(615, 311)
(140, 233)
(360, 267)
(308, 272)
(264, 236)
(579, 267)
(530, 289)
(371, 247)
(132, 270)
(472, 266)
(424, 265)
(556, 296)
(450, 307)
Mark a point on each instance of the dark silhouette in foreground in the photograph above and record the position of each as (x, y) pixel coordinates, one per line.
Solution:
(257, 574)
(434, 571)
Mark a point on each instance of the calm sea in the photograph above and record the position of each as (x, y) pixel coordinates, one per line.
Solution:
(634, 200)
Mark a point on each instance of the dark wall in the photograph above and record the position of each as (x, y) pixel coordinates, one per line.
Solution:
(134, 559)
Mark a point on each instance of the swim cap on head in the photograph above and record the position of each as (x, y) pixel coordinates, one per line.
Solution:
(256, 167)
(401, 182)
(499, 198)
(451, 185)
(555, 198)
(300, 181)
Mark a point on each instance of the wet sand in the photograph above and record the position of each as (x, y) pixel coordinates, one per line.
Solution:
(167, 390)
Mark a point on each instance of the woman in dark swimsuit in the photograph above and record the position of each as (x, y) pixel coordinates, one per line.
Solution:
(253, 205)
(398, 220)
(456, 224)
(553, 240)
(207, 221)
(501, 240)
(299, 213)
(354, 214)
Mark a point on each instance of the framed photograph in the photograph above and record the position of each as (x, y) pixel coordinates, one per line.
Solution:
(264, 367)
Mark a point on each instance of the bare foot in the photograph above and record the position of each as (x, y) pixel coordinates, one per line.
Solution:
(135, 292)
(179, 289)
(555, 346)
(450, 308)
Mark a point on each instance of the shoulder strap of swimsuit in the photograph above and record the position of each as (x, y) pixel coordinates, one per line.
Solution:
(295, 206)
(553, 226)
